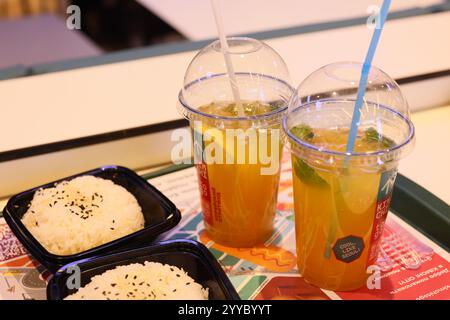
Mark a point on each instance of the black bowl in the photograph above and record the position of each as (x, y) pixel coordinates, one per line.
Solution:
(160, 215)
(190, 255)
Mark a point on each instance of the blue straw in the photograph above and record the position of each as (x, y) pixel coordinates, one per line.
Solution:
(364, 75)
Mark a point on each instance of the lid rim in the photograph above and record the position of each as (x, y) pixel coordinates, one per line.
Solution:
(227, 118)
(248, 39)
(306, 145)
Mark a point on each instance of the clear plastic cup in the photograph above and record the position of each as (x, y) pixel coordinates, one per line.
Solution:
(341, 200)
(239, 193)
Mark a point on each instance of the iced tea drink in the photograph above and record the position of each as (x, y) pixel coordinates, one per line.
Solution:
(336, 209)
(236, 126)
(238, 199)
(341, 194)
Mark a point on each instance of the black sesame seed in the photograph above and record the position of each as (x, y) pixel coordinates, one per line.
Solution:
(174, 290)
(126, 276)
(112, 228)
(113, 284)
(178, 275)
(134, 277)
(188, 283)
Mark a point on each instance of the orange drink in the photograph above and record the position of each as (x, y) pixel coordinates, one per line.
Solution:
(335, 208)
(235, 121)
(342, 193)
(238, 199)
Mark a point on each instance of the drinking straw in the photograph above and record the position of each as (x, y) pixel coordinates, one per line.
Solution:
(364, 75)
(227, 58)
(357, 111)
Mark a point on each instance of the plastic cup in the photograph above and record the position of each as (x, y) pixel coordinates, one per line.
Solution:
(239, 193)
(341, 200)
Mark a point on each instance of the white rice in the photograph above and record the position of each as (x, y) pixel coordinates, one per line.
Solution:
(81, 214)
(148, 281)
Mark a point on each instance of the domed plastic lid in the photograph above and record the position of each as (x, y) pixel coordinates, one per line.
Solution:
(326, 100)
(261, 75)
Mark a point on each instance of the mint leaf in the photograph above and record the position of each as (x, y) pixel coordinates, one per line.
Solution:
(277, 104)
(307, 174)
(303, 132)
(231, 109)
(372, 135)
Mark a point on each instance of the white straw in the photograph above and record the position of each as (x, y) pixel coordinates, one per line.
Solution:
(226, 55)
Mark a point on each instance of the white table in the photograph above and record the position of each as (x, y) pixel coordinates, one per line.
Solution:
(428, 164)
(194, 18)
(87, 101)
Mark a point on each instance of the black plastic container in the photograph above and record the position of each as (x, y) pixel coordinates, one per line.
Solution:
(190, 255)
(160, 215)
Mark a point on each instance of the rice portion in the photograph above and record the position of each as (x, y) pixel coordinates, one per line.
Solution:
(81, 214)
(148, 281)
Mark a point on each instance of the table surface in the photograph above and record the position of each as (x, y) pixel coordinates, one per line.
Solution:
(194, 18)
(268, 271)
(428, 164)
(87, 101)
(428, 124)
(49, 107)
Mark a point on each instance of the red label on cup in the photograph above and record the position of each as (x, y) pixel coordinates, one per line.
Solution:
(381, 210)
(205, 193)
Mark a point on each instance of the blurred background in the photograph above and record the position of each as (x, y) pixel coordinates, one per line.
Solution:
(35, 32)
(104, 91)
